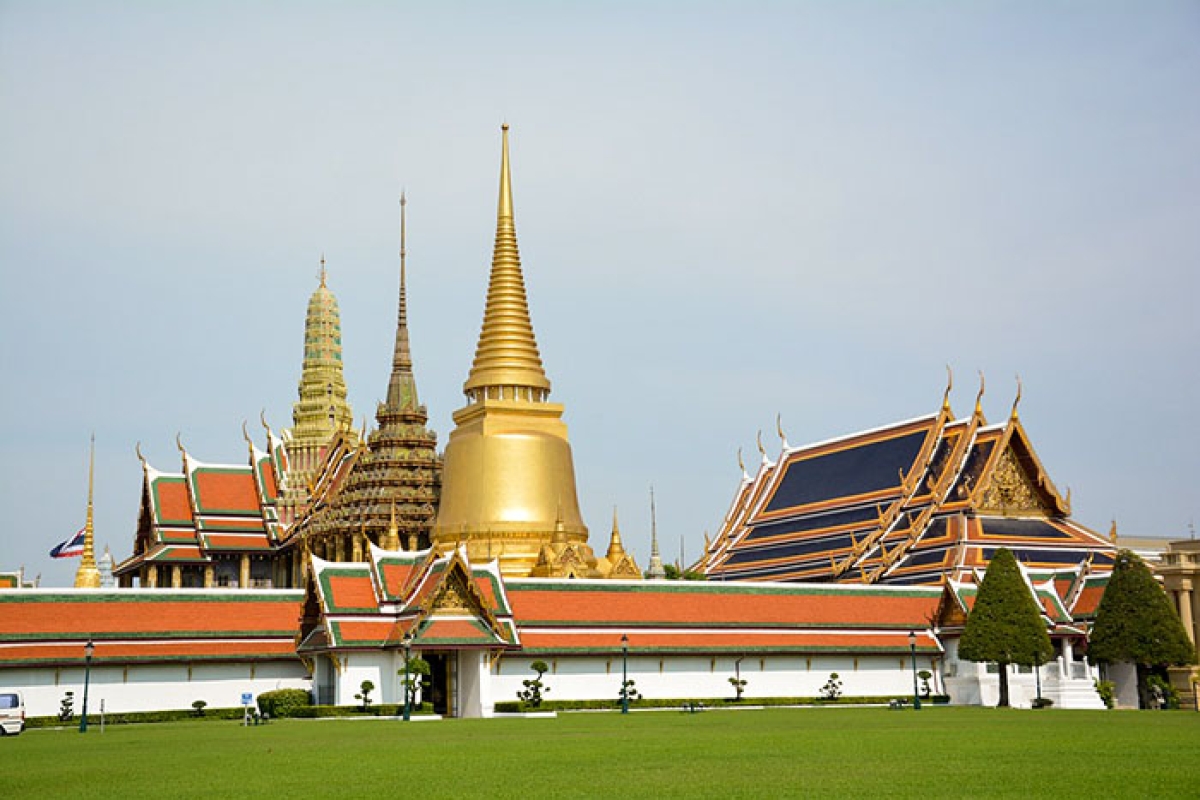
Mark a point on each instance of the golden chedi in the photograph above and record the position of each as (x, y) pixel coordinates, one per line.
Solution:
(508, 487)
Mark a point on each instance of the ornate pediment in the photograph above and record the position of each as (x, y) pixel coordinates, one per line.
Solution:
(453, 597)
(1011, 491)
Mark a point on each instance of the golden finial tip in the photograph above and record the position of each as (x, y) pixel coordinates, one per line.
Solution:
(504, 126)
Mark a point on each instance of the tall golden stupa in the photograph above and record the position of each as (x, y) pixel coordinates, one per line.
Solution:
(508, 489)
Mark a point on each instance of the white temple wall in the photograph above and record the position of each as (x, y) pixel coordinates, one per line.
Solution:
(690, 676)
(150, 687)
(380, 668)
(474, 684)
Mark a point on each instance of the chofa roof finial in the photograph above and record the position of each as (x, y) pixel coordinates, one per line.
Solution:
(949, 386)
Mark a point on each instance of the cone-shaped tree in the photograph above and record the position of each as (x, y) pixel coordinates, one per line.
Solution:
(1137, 622)
(1005, 624)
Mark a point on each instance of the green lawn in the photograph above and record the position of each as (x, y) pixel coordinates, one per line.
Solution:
(952, 752)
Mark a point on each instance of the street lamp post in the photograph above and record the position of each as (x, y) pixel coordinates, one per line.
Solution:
(912, 646)
(407, 688)
(624, 674)
(88, 650)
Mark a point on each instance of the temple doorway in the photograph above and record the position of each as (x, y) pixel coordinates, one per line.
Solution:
(443, 682)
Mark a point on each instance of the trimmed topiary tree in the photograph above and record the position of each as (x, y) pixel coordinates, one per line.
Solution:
(1136, 622)
(1005, 625)
(531, 695)
(418, 670)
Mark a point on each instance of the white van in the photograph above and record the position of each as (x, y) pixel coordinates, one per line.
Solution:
(12, 712)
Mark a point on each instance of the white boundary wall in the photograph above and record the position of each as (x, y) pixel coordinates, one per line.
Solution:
(150, 687)
(694, 676)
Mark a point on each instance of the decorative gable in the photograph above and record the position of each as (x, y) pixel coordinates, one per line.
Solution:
(1011, 491)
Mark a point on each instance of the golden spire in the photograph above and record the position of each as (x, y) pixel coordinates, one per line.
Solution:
(322, 271)
(88, 575)
(1017, 399)
(979, 397)
(507, 357)
(615, 547)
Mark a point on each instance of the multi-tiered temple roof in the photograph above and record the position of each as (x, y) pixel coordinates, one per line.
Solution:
(910, 503)
(208, 524)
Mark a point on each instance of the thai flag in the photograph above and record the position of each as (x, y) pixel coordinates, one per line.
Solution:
(70, 548)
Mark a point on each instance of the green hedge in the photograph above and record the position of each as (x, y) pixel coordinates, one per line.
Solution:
(284, 702)
(381, 710)
(126, 717)
(516, 707)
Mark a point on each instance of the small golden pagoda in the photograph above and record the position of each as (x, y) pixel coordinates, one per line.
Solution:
(509, 482)
(88, 574)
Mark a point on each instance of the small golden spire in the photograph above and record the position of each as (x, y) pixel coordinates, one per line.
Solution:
(979, 397)
(779, 430)
(88, 575)
(1112, 531)
(762, 451)
(1017, 399)
(616, 548)
(741, 463)
(322, 270)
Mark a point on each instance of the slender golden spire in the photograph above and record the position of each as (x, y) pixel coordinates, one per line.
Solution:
(507, 355)
(88, 575)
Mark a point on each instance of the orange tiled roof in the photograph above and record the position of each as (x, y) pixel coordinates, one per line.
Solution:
(132, 624)
(713, 604)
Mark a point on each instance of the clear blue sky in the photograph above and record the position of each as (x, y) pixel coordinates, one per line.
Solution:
(726, 211)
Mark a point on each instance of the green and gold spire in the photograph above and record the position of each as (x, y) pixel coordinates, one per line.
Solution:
(88, 574)
(322, 409)
(507, 357)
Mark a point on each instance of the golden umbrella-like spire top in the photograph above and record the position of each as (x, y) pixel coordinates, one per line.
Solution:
(506, 358)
